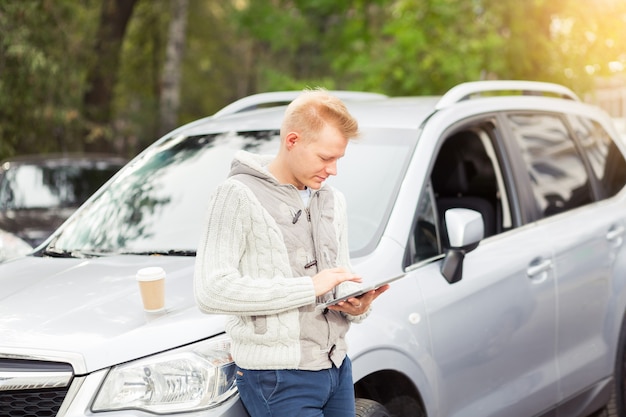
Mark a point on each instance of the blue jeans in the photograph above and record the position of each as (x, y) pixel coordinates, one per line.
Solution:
(293, 393)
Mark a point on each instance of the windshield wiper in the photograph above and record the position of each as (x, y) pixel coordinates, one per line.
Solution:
(171, 252)
(57, 253)
(62, 253)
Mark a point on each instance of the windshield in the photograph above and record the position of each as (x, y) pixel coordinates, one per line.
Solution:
(158, 202)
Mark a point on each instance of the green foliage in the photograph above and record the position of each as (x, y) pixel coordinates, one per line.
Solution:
(589, 38)
(39, 76)
(427, 47)
(137, 91)
(217, 66)
(402, 47)
(240, 47)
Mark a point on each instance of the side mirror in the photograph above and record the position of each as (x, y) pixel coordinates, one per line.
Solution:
(465, 230)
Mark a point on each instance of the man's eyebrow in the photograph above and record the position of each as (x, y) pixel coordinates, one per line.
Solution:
(330, 156)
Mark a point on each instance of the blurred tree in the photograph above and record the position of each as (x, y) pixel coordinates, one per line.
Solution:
(55, 84)
(137, 92)
(220, 64)
(170, 84)
(103, 72)
(299, 43)
(217, 68)
(428, 46)
(404, 47)
(591, 37)
(528, 47)
(40, 72)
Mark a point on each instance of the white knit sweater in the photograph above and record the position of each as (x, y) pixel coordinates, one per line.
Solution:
(247, 266)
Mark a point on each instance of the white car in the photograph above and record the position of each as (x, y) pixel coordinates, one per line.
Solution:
(39, 192)
(503, 203)
(12, 246)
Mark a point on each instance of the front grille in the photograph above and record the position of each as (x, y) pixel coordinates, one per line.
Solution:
(31, 388)
(32, 403)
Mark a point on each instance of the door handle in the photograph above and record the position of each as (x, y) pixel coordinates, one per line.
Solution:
(538, 269)
(615, 235)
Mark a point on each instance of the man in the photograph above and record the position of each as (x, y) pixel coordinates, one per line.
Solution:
(275, 246)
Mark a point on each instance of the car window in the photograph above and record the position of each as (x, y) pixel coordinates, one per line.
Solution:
(35, 186)
(558, 176)
(466, 174)
(426, 241)
(157, 203)
(606, 160)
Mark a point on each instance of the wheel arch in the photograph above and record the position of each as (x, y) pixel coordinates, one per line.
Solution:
(387, 374)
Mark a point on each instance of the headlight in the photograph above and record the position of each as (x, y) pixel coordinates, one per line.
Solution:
(192, 378)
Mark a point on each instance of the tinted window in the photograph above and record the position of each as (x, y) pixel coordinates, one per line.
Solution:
(606, 160)
(557, 174)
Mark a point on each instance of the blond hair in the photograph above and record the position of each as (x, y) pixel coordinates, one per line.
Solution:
(312, 110)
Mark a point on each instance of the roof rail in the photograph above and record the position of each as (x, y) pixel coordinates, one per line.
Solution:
(466, 91)
(282, 98)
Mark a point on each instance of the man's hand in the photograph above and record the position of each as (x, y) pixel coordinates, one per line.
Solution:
(357, 306)
(328, 279)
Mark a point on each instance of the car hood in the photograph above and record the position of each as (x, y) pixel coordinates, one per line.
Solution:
(89, 312)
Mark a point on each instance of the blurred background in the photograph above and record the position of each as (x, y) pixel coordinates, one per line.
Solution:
(113, 76)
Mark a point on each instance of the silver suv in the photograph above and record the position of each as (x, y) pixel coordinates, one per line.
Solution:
(503, 201)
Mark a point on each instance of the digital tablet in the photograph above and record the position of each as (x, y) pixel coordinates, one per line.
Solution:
(361, 291)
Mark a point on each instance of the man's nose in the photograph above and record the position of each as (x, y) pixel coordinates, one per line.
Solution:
(331, 168)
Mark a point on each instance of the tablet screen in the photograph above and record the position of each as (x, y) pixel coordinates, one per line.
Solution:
(362, 291)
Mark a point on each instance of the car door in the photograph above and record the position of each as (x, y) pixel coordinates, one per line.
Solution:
(585, 235)
(492, 333)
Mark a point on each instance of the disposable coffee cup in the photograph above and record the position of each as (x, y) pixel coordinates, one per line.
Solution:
(152, 287)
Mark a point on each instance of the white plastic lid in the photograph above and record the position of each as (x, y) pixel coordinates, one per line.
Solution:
(151, 273)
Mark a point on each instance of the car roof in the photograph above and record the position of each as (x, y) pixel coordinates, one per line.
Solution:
(281, 98)
(396, 113)
(265, 111)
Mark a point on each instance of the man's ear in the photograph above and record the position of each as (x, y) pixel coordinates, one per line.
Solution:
(291, 139)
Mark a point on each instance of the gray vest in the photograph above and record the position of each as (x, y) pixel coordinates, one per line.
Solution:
(311, 241)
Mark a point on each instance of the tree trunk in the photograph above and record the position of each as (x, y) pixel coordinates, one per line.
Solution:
(102, 75)
(170, 83)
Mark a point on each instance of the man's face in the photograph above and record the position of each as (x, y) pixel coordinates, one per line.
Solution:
(313, 160)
